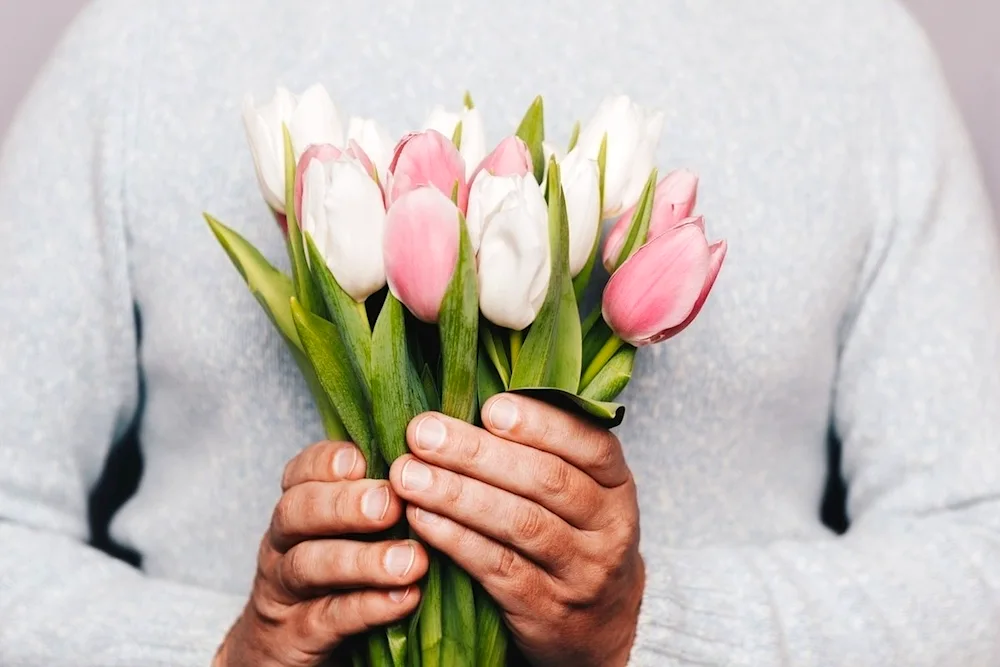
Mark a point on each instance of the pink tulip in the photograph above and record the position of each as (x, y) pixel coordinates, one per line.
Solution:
(420, 249)
(658, 291)
(510, 158)
(428, 158)
(673, 201)
(326, 153)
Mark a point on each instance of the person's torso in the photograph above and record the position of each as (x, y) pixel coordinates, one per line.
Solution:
(727, 424)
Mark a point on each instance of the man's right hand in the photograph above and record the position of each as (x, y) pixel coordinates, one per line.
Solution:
(313, 588)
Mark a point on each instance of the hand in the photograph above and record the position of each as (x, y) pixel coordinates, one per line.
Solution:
(313, 588)
(542, 511)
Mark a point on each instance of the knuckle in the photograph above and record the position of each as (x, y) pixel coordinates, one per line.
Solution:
(288, 474)
(556, 480)
(454, 489)
(471, 449)
(296, 569)
(281, 521)
(605, 453)
(530, 523)
(504, 563)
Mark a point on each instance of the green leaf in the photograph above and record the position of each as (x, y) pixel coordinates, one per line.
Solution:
(395, 382)
(456, 136)
(269, 286)
(612, 379)
(459, 330)
(607, 415)
(339, 380)
(600, 360)
(467, 101)
(491, 633)
(551, 355)
(458, 608)
(574, 137)
(430, 388)
(378, 650)
(273, 291)
(488, 382)
(582, 279)
(639, 229)
(305, 289)
(595, 339)
(414, 657)
(532, 132)
(398, 644)
(430, 622)
(495, 351)
(588, 325)
(348, 315)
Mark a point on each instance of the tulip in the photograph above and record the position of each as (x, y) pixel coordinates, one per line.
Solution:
(673, 201)
(343, 210)
(633, 133)
(421, 245)
(514, 255)
(428, 158)
(582, 190)
(374, 141)
(473, 134)
(658, 291)
(487, 194)
(327, 153)
(510, 158)
(310, 118)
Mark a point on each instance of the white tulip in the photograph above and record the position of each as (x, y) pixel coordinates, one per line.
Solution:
(311, 119)
(581, 188)
(514, 256)
(374, 141)
(633, 135)
(343, 212)
(485, 196)
(473, 148)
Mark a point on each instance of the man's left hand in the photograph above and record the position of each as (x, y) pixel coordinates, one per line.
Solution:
(541, 509)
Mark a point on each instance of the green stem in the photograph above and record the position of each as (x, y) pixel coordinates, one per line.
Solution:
(516, 341)
(604, 355)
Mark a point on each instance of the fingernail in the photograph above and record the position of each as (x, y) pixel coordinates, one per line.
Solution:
(427, 517)
(399, 559)
(416, 476)
(344, 460)
(430, 433)
(503, 414)
(399, 596)
(375, 503)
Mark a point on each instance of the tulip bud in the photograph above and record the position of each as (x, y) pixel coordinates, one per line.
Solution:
(428, 158)
(311, 119)
(510, 158)
(633, 133)
(328, 153)
(514, 255)
(485, 197)
(343, 210)
(660, 289)
(473, 134)
(421, 247)
(374, 141)
(582, 190)
(673, 201)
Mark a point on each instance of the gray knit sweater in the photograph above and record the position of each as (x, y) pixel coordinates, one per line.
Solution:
(861, 298)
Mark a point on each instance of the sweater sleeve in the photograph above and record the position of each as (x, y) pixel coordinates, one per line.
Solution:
(68, 363)
(916, 579)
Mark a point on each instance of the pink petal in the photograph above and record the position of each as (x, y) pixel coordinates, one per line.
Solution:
(323, 153)
(658, 287)
(421, 250)
(717, 254)
(511, 157)
(428, 158)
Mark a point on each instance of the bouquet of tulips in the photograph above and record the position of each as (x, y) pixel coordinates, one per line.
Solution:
(427, 274)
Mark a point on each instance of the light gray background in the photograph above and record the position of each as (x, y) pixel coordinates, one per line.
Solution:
(967, 33)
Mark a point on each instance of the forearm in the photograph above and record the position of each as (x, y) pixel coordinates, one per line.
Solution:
(894, 591)
(65, 604)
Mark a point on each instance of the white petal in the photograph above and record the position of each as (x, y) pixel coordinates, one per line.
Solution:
(270, 171)
(314, 184)
(473, 148)
(486, 195)
(315, 121)
(443, 121)
(514, 258)
(580, 180)
(374, 141)
(356, 222)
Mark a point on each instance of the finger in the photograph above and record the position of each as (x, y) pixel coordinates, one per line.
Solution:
(314, 567)
(516, 522)
(510, 579)
(592, 449)
(343, 615)
(329, 509)
(525, 471)
(324, 462)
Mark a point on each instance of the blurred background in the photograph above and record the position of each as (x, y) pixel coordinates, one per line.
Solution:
(966, 32)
